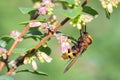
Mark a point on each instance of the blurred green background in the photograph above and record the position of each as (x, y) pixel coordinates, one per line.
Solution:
(100, 62)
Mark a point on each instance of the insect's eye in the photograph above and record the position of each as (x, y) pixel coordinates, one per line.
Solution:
(89, 39)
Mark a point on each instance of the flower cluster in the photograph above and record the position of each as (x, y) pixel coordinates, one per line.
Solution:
(3, 53)
(65, 42)
(42, 26)
(109, 4)
(41, 56)
(45, 7)
(81, 20)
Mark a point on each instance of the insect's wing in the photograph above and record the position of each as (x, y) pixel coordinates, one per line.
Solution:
(73, 60)
(71, 63)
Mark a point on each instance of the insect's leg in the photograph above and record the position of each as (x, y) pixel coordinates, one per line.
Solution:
(85, 29)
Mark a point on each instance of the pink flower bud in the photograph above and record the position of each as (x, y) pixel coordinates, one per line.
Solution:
(4, 56)
(15, 34)
(3, 50)
(34, 24)
(34, 65)
(43, 10)
(12, 63)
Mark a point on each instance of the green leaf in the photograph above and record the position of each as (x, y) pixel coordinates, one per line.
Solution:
(26, 22)
(90, 11)
(47, 50)
(68, 1)
(71, 13)
(5, 40)
(34, 1)
(4, 77)
(20, 50)
(27, 10)
(33, 71)
(34, 34)
(3, 43)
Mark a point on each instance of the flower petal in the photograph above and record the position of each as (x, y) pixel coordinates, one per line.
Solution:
(46, 57)
(34, 65)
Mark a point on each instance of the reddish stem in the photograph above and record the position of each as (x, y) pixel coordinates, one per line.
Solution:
(2, 64)
(50, 34)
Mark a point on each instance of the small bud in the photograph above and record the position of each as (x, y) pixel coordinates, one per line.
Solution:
(74, 25)
(86, 18)
(46, 57)
(13, 74)
(3, 52)
(114, 3)
(37, 5)
(26, 60)
(110, 8)
(34, 65)
(13, 64)
(40, 57)
(4, 56)
(45, 45)
(34, 24)
(15, 34)
(79, 26)
(103, 3)
(71, 22)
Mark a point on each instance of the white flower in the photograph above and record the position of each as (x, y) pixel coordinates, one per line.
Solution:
(110, 8)
(46, 57)
(34, 65)
(86, 18)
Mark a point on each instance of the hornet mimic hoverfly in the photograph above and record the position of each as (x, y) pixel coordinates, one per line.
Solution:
(77, 49)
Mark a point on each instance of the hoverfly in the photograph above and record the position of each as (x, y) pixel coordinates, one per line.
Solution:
(77, 49)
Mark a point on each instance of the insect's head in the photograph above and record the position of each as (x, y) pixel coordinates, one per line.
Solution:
(87, 37)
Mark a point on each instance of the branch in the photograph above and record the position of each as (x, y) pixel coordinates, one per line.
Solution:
(85, 2)
(50, 34)
(38, 45)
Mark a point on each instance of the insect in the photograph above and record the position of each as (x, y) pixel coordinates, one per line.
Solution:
(77, 49)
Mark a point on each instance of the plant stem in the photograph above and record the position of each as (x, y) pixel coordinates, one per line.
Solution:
(40, 43)
(50, 34)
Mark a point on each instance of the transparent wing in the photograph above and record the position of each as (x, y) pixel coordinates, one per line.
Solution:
(73, 60)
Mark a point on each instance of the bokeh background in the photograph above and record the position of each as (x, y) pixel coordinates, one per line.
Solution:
(100, 62)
